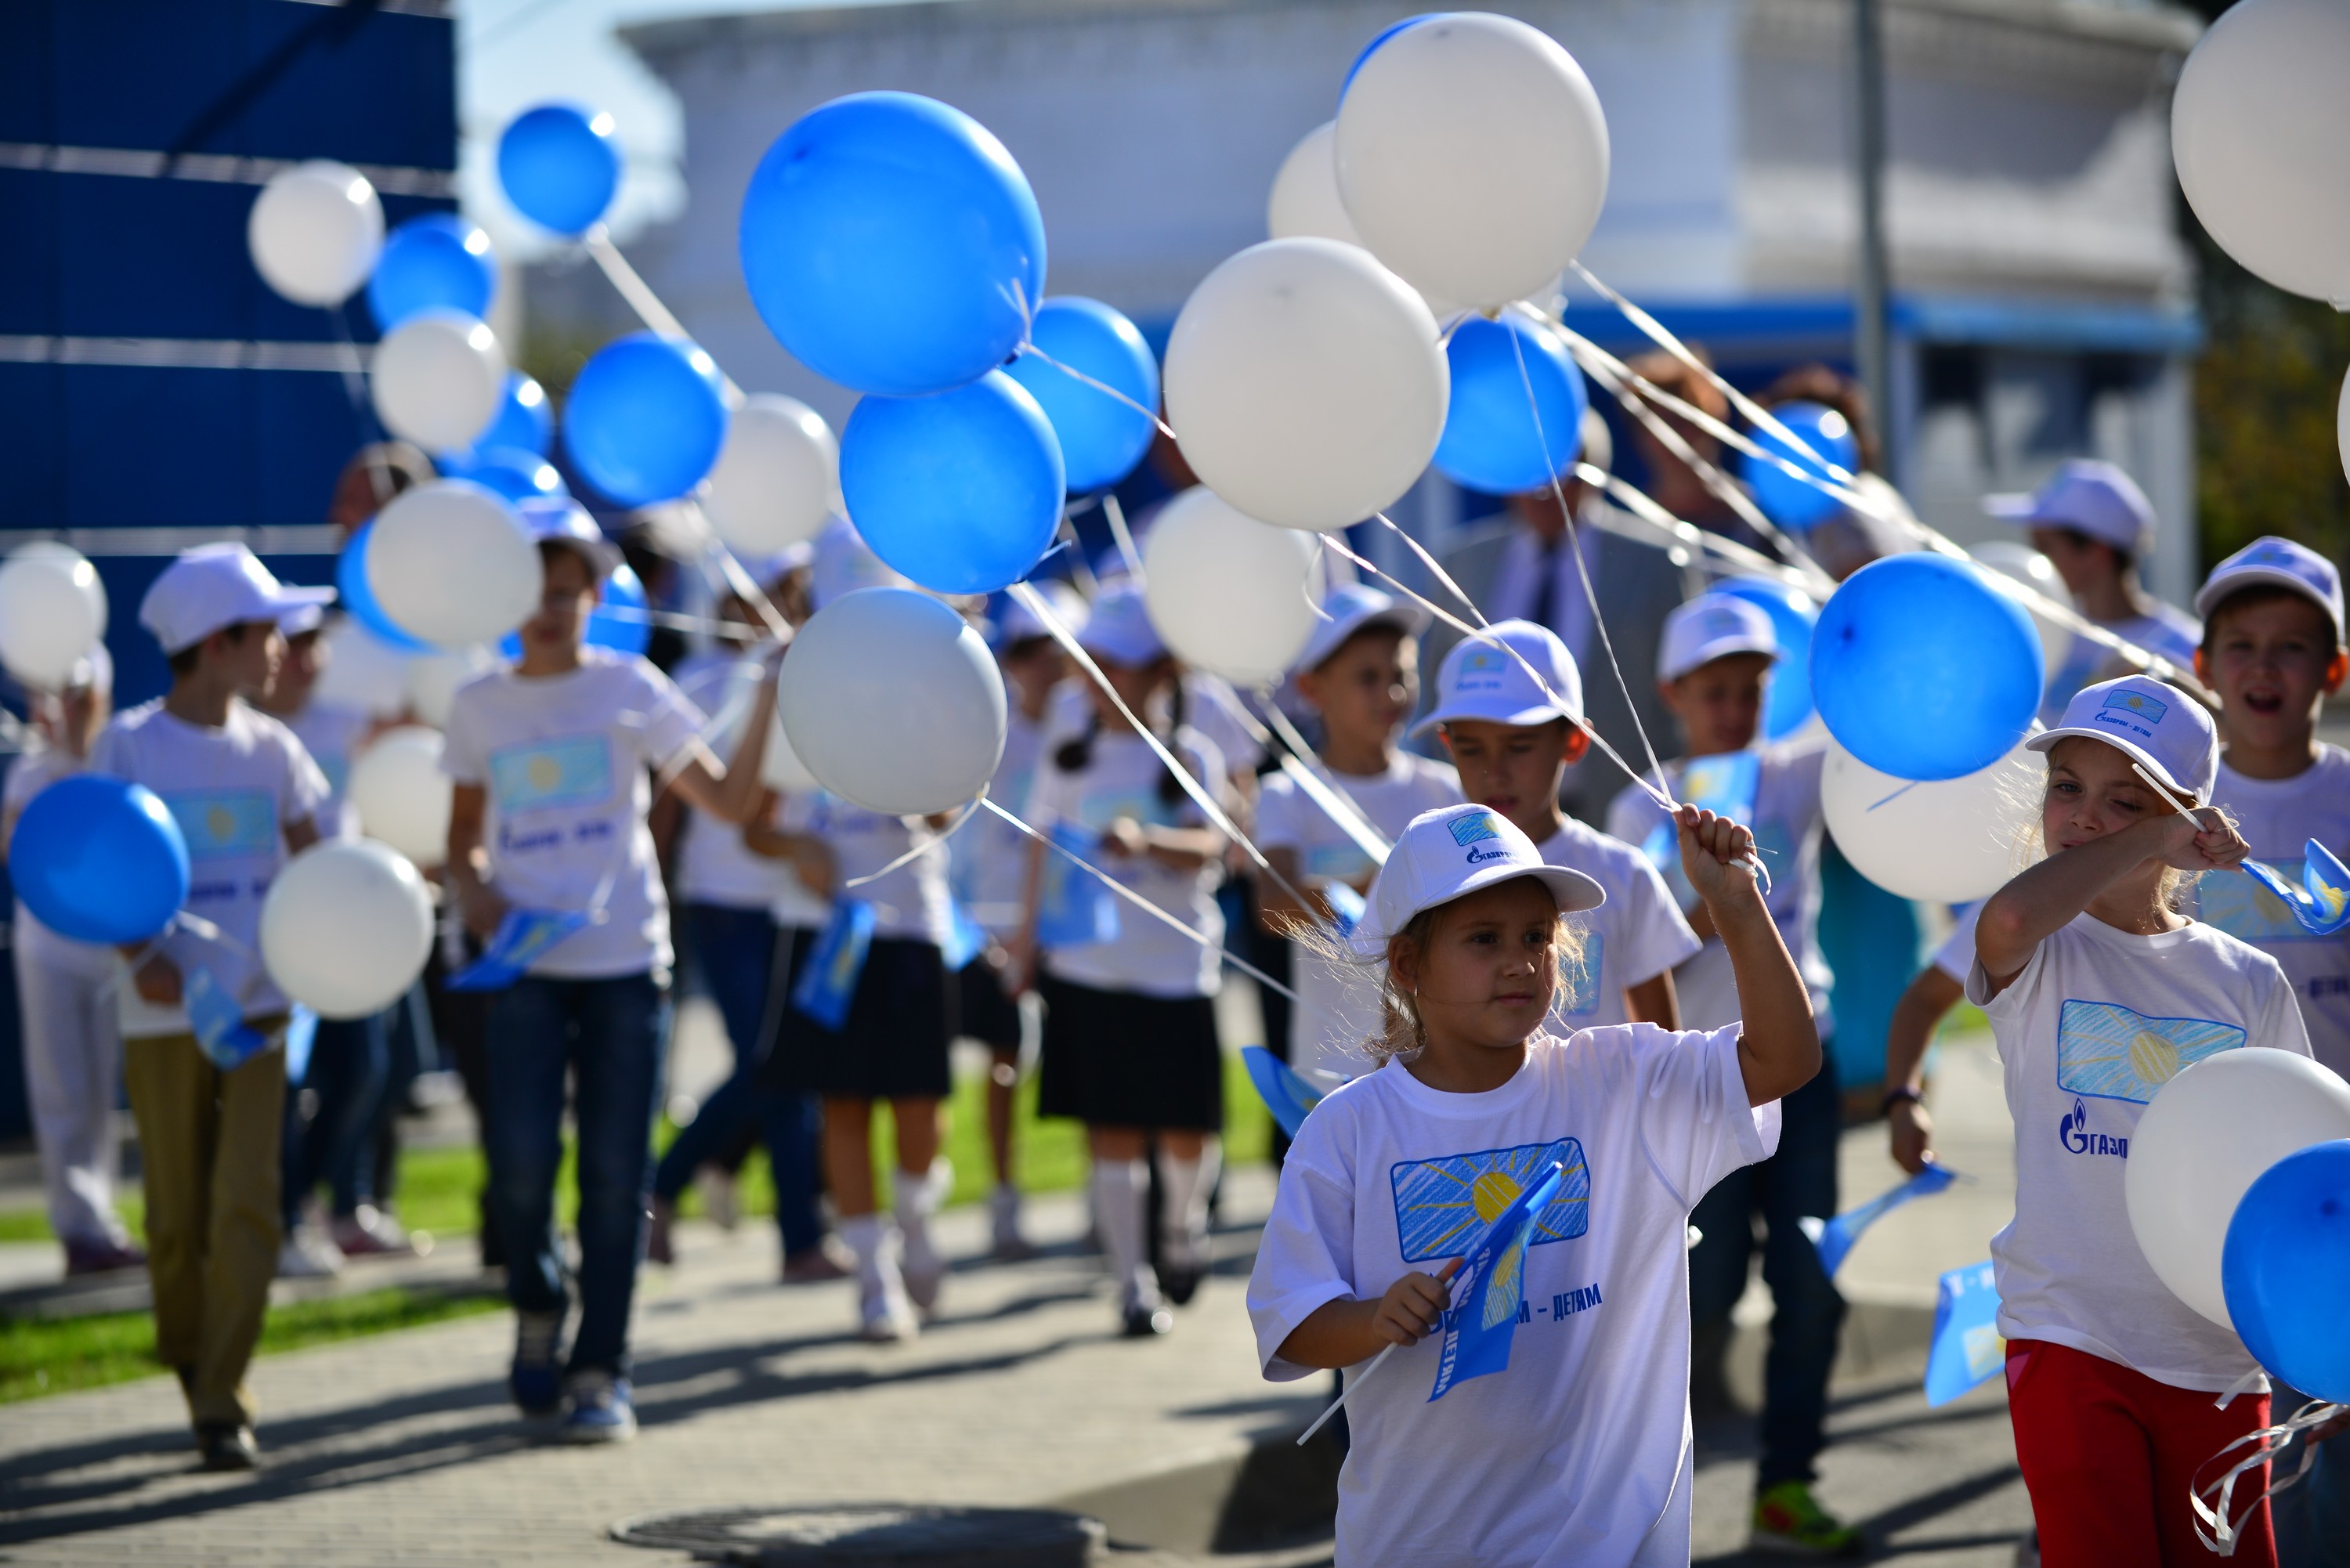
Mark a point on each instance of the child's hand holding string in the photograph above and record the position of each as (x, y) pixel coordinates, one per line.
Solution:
(1718, 855)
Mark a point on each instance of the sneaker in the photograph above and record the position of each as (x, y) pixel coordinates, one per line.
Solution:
(886, 1320)
(658, 1246)
(535, 1380)
(923, 1271)
(829, 1259)
(228, 1446)
(1788, 1520)
(1178, 1284)
(600, 1408)
(369, 1232)
(720, 1200)
(1147, 1320)
(1003, 1212)
(100, 1255)
(306, 1255)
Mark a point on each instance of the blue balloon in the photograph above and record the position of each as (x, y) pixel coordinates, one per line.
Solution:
(962, 492)
(99, 860)
(645, 419)
(2286, 1270)
(524, 421)
(1101, 439)
(892, 245)
(1793, 615)
(437, 259)
(559, 164)
(359, 599)
(1784, 499)
(510, 472)
(1390, 31)
(1491, 440)
(1923, 671)
(619, 623)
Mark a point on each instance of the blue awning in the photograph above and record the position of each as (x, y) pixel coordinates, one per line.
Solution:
(1786, 327)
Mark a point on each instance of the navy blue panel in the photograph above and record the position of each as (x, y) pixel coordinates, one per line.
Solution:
(154, 258)
(28, 261)
(139, 671)
(33, 484)
(154, 448)
(303, 430)
(28, 93)
(381, 91)
(137, 73)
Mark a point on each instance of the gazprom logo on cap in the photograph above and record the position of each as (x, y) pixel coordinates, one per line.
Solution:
(1481, 670)
(2150, 709)
(1469, 829)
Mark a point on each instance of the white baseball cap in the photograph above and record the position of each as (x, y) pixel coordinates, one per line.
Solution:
(1020, 624)
(1347, 609)
(2275, 563)
(2154, 723)
(1483, 677)
(1711, 627)
(1598, 442)
(1451, 852)
(1119, 631)
(2088, 497)
(559, 520)
(212, 586)
(301, 619)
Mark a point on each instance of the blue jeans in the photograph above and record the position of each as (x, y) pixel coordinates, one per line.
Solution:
(743, 964)
(350, 1058)
(611, 1037)
(2312, 1519)
(1806, 1313)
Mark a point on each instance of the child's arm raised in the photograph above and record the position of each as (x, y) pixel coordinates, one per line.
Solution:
(732, 791)
(1348, 1332)
(2050, 895)
(1779, 1042)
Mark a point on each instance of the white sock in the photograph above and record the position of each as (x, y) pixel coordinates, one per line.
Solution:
(1186, 1183)
(1121, 1191)
(919, 1195)
(869, 1236)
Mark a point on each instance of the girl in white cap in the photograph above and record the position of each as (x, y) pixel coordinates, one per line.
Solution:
(1579, 1452)
(2099, 992)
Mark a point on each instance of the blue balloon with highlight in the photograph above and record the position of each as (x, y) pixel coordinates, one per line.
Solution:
(646, 419)
(99, 860)
(892, 245)
(1793, 615)
(1784, 499)
(618, 622)
(1923, 670)
(2286, 1270)
(358, 600)
(1511, 426)
(559, 164)
(524, 420)
(962, 492)
(435, 259)
(1101, 438)
(510, 472)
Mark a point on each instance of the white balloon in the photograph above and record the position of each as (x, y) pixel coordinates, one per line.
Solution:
(346, 927)
(780, 767)
(2257, 128)
(52, 612)
(777, 481)
(894, 702)
(2208, 1134)
(438, 379)
(362, 671)
(2013, 558)
(451, 563)
(314, 232)
(1305, 383)
(1228, 594)
(1304, 203)
(1948, 842)
(402, 795)
(431, 681)
(1472, 157)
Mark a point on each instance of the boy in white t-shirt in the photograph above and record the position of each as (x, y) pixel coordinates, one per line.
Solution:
(246, 794)
(2099, 992)
(1713, 664)
(1579, 1452)
(552, 762)
(1360, 672)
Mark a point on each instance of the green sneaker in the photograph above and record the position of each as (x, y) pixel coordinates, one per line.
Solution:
(1789, 1522)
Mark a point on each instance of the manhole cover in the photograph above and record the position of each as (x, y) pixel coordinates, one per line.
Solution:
(873, 1535)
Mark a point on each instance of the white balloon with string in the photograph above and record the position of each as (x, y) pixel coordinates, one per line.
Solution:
(1228, 594)
(1304, 203)
(314, 232)
(402, 795)
(52, 612)
(450, 562)
(1948, 842)
(2020, 562)
(438, 379)
(777, 481)
(346, 927)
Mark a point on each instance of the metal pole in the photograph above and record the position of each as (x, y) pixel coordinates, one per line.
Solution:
(1871, 325)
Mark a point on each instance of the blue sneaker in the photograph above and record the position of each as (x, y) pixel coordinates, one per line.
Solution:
(601, 1410)
(535, 1380)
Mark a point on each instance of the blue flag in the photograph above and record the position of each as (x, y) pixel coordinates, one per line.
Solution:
(522, 939)
(1347, 906)
(216, 1020)
(1967, 1347)
(966, 939)
(301, 1034)
(828, 981)
(1835, 1237)
(2322, 903)
(1073, 910)
(1288, 1096)
(1493, 1294)
(1726, 785)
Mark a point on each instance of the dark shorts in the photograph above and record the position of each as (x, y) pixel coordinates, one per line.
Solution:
(1118, 1058)
(894, 1046)
(983, 1012)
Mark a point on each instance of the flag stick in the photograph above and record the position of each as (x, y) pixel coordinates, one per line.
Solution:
(1348, 1393)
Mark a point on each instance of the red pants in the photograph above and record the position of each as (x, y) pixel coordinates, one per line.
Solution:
(2109, 1454)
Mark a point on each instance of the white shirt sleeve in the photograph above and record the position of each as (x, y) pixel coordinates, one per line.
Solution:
(1050, 794)
(1628, 815)
(1660, 937)
(1276, 814)
(1957, 956)
(2280, 1025)
(1306, 1256)
(1696, 1125)
(464, 757)
(306, 790)
(671, 721)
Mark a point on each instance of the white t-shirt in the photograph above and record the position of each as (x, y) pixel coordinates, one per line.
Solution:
(1210, 706)
(1957, 956)
(1121, 779)
(912, 901)
(233, 791)
(1786, 828)
(331, 734)
(713, 865)
(2278, 817)
(1336, 1008)
(1578, 1452)
(565, 760)
(989, 854)
(33, 772)
(795, 902)
(1637, 935)
(2095, 1023)
(2169, 631)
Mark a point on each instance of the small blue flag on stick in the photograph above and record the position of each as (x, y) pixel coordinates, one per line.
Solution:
(216, 1020)
(2321, 905)
(1835, 1237)
(828, 981)
(1288, 1096)
(522, 939)
(1492, 1294)
(1967, 1347)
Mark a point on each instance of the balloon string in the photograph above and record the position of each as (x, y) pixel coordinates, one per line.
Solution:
(1315, 779)
(739, 581)
(926, 845)
(2218, 1522)
(1116, 516)
(1028, 346)
(641, 299)
(1688, 535)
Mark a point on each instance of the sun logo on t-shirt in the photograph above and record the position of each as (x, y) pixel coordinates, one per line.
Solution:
(545, 772)
(2153, 1058)
(1493, 1192)
(220, 824)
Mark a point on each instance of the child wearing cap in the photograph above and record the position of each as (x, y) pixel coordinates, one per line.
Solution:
(1714, 662)
(1360, 672)
(2099, 992)
(73, 1043)
(552, 763)
(1579, 1452)
(1130, 1045)
(246, 794)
